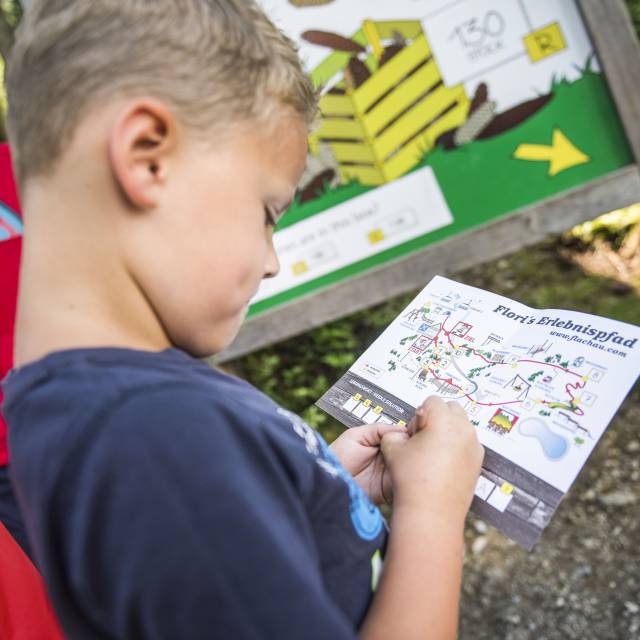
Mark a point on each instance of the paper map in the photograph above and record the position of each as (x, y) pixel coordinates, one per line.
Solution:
(540, 386)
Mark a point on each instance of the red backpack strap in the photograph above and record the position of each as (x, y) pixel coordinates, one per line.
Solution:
(25, 612)
(10, 247)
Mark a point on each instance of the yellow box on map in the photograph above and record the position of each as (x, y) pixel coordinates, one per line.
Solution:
(545, 42)
(506, 488)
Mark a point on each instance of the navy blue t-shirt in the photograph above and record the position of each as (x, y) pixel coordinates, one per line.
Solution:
(166, 500)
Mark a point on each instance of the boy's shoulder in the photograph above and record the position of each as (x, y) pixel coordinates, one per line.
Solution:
(174, 465)
(102, 379)
(89, 405)
(171, 459)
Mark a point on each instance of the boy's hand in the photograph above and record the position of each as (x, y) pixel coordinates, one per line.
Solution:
(437, 468)
(358, 449)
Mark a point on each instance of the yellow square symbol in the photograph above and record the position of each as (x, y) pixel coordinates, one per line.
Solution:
(299, 268)
(545, 42)
(507, 488)
(367, 403)
(357, 396)
(378, 409)
(376, 236)
(402, 423)
(585, 378)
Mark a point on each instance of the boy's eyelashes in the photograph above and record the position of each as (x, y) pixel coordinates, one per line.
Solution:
(271, 218)
(274, 214)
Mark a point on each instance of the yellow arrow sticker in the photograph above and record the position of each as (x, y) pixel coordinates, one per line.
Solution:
(561, 155)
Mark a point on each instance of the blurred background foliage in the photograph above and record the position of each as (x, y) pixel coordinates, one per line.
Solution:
(634, 9)
(10, 14)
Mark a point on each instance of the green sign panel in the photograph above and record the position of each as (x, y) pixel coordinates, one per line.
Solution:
(437, 117)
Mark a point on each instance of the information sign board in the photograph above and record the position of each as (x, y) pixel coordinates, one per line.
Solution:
(450, 131)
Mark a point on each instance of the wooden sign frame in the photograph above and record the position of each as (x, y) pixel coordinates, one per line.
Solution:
(615, 42)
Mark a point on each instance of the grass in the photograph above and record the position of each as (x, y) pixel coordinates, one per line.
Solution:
(574, 109)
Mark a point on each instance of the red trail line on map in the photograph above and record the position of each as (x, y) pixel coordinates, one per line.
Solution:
(578, 385)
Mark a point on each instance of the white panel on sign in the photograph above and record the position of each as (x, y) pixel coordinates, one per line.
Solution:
(470, 38)
(380, 219)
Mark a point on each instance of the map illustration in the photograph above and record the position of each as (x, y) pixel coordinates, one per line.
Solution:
(539, 386)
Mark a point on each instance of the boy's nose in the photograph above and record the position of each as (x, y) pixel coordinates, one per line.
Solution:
(272, 265)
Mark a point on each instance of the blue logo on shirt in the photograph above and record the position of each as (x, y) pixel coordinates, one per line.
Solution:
(365, 516)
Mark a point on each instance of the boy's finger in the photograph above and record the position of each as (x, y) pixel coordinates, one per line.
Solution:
(391, 441)
(384, 428)
(372, 434)
(432, 410)
(413, 427)
(455, 407)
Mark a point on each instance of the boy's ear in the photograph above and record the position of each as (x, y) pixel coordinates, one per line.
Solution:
(140, 144)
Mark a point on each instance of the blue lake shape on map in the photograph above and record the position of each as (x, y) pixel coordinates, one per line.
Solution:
(553, 445)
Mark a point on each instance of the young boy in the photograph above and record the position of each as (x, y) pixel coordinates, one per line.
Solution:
(157, 144)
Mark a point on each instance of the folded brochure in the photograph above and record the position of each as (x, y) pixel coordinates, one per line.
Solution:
(540, 386)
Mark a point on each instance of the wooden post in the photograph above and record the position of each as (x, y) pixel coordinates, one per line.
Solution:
(616, 43)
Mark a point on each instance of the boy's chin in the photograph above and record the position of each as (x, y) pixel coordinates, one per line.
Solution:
(210, 343)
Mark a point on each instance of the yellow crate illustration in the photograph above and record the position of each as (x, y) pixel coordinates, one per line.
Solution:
(382, 128)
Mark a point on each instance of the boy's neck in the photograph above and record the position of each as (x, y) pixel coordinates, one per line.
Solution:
(75, 290)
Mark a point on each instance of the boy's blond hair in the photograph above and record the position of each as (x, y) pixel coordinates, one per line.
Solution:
(215, 62)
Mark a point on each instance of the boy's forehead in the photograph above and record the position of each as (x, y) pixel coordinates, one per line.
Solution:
(269, 152)
(286, 127)
(282, 130)
(287, 145)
